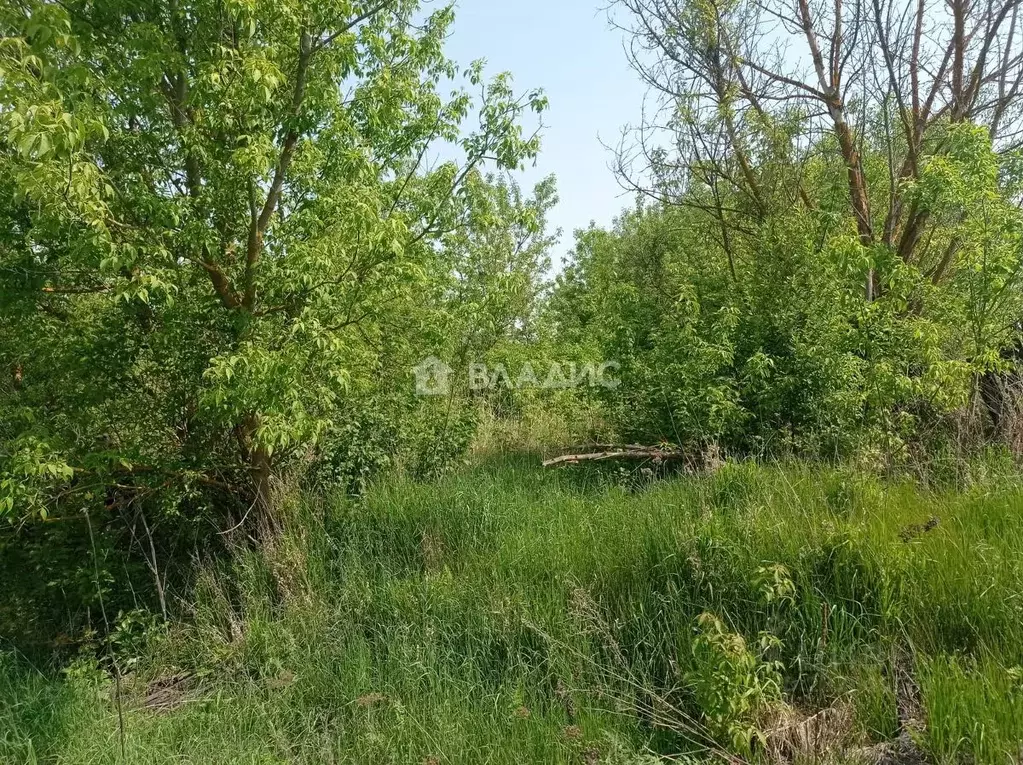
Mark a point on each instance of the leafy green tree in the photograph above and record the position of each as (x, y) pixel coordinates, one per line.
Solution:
(827, 255)
(217, 215)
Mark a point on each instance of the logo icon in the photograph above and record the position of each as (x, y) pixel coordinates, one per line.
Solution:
(432, 377)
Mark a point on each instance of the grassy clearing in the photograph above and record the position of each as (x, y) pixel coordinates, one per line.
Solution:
(506, 614)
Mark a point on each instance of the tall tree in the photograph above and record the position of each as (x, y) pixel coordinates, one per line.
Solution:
(761, 106)
(739, 82)
(211, 207)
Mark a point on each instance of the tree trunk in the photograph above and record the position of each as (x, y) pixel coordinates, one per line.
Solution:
(992, 393)
(1000, 392)
(261, 519)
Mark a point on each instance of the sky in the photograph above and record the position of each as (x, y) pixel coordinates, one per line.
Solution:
(567, 48)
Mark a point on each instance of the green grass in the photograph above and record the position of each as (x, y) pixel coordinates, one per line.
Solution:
(510, 615)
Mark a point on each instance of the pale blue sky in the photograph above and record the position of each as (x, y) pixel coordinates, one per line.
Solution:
(567, 48)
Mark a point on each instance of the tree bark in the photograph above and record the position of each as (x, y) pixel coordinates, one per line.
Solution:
(260, 521)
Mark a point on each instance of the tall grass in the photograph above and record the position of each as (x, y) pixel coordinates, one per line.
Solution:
(506, 614)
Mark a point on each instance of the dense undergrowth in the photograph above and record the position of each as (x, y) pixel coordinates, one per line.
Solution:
(240, 284)
(504, 614)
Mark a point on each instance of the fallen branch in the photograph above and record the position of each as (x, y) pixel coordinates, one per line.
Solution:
(654, 454)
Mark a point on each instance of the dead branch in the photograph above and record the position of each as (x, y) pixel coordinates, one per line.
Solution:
(632, 452)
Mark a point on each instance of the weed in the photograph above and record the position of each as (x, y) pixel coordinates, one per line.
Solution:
(506, 614)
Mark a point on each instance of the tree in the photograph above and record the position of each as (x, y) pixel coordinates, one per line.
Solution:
(874, 139)
(743, 82)
(216, 209)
